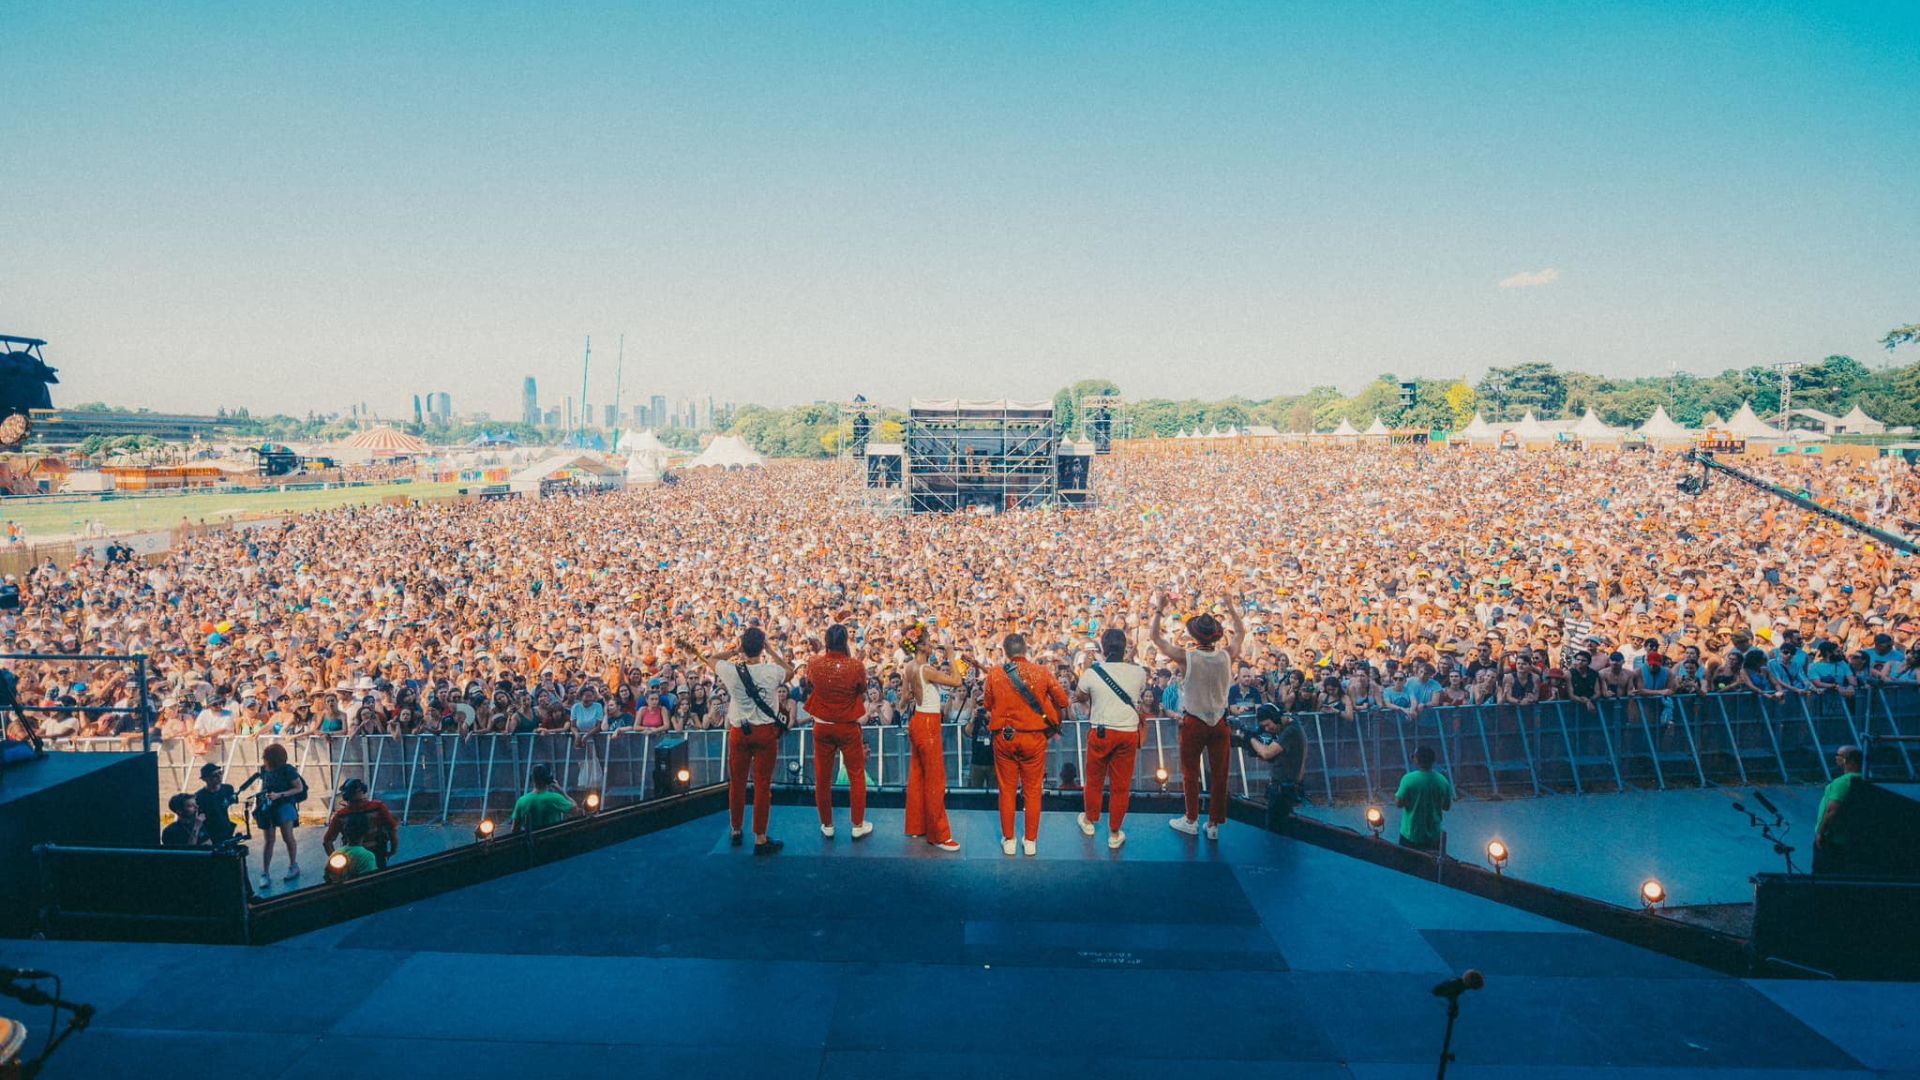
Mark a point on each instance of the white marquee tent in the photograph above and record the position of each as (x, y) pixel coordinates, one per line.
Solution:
(727, 452)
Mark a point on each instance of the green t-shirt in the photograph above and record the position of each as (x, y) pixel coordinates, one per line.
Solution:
(1424, 796)
(360, 861)
(1837, 794)
(539, 809)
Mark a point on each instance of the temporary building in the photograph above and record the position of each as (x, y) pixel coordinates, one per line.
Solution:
(1661, 427)
(1478, 430)
(1346, 428)
(1747, 424)
(567, 471)
(643, 442)
(1590, 428)
(1857, 422)
(1377, 428)
(727, 452)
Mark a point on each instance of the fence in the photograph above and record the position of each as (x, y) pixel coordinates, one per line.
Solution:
(1491, 751)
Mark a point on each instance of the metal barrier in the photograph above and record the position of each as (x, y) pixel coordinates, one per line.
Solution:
(1499, 751)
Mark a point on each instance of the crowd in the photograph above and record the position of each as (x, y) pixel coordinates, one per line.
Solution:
(1368, 580)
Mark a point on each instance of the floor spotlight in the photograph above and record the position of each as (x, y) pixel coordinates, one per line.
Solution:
(337, 867)
(685, 776)
(1160, 776)
(593, 802)
(1376, 820)
(1497, 856)
(483, 832)
(1652, 894)
(793, 768)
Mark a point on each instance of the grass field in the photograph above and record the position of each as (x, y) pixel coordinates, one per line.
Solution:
(46, 521)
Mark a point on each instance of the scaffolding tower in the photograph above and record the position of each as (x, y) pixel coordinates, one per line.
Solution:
(980, 455)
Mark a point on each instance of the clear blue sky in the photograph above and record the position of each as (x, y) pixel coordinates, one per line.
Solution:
(245, 204)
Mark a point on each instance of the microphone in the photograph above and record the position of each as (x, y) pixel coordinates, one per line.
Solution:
(1739, 807)
(25, 974)
(1761, 798)
(1453, 988)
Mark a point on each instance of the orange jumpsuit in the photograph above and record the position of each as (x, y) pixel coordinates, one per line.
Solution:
(1020, 738)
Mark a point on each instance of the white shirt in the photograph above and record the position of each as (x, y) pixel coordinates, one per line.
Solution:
(1108, 709)
(214, 722)
(740, 708)
(1203, 693)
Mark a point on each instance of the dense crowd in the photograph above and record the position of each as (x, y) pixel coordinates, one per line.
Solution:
(1371, 581)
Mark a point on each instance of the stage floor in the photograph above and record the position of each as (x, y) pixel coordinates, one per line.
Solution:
(675, 955)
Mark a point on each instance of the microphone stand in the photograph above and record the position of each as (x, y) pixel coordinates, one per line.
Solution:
(1780, 846)
(82, 1015)
(1446, 1041)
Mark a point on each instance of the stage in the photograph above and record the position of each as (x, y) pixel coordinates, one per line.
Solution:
(676, 955)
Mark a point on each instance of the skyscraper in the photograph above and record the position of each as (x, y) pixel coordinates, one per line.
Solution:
(553, 417)
(440, 408)
(416, 408)
(657, 412)
(530, 403)
(613, 417)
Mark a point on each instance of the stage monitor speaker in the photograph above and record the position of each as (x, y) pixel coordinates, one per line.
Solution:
(669, 765)
(862, 428)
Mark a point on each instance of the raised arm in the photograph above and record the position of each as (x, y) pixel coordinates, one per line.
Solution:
(1237, 635)
(1174, 653)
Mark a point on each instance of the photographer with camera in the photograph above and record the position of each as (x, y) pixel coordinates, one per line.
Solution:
(379, 829)
(1278, 740)
(1113, 687)
(277, 809)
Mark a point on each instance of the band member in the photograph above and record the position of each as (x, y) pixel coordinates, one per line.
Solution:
(1024, 703)
(1206, 676)
(1113, 688)
(927, 770)
(837, 705)
(752, 676)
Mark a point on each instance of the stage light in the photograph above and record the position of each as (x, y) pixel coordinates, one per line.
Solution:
(685, 776)
(1652, 894)
(1376, 820)
(593, 802)
(1497, 855)
(1160, 776)
(793, 767)
(337, 867)
(483, 832)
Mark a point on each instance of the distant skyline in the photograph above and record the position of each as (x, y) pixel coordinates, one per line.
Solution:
(290, 209)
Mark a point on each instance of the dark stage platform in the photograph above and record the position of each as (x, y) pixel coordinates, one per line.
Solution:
(675, 955)
(101, 800)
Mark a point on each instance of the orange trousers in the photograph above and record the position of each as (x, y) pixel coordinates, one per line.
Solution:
(849, 742)
(1110, 758)
(927, 780)
(1020, 764)
(751, 750)
(1212, 741)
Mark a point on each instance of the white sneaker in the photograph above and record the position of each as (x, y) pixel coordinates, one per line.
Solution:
(1213, 831)
(1181, 824)
(1114, 841)
(951, 845)
(1033, 847)
(1007, 845)
(862, 829)
(826, 831)
(1086, 826)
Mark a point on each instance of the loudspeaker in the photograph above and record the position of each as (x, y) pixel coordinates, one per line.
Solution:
(862, 427)
(1102, 428)
(671, 774)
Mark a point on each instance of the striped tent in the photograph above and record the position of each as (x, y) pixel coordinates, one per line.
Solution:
(385, 442)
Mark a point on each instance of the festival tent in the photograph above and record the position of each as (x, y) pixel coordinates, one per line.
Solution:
(1213, 432)
(1747, 424)
(1478, 430)
(380, 442)
(1376, 428)
(1660, 427)
(643, 442)
(1262, 431)
(1530, 428)
(727, 452)
(1183, 434)
(1858, 422)
(643, 470)
(576, 469)
(1346, 428)
(1232, 432)
(1590, 428)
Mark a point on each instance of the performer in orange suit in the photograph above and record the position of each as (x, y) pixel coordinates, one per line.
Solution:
(837, 705)
(1025, 703)
(927, 771)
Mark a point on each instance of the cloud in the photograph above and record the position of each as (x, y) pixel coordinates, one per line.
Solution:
(1529, 280)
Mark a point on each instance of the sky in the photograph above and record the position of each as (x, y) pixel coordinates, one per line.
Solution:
(298, 207)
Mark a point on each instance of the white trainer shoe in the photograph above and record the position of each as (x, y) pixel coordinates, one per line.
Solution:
(1033, 847)
(1007, 845)
(1213, 831)
(1182, 825)
(826, 831)
(1114, 841)
(951, 845)
(862, 829)
(1086, 826)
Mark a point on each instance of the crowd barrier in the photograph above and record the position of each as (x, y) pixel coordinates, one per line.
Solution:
(1495, 751)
